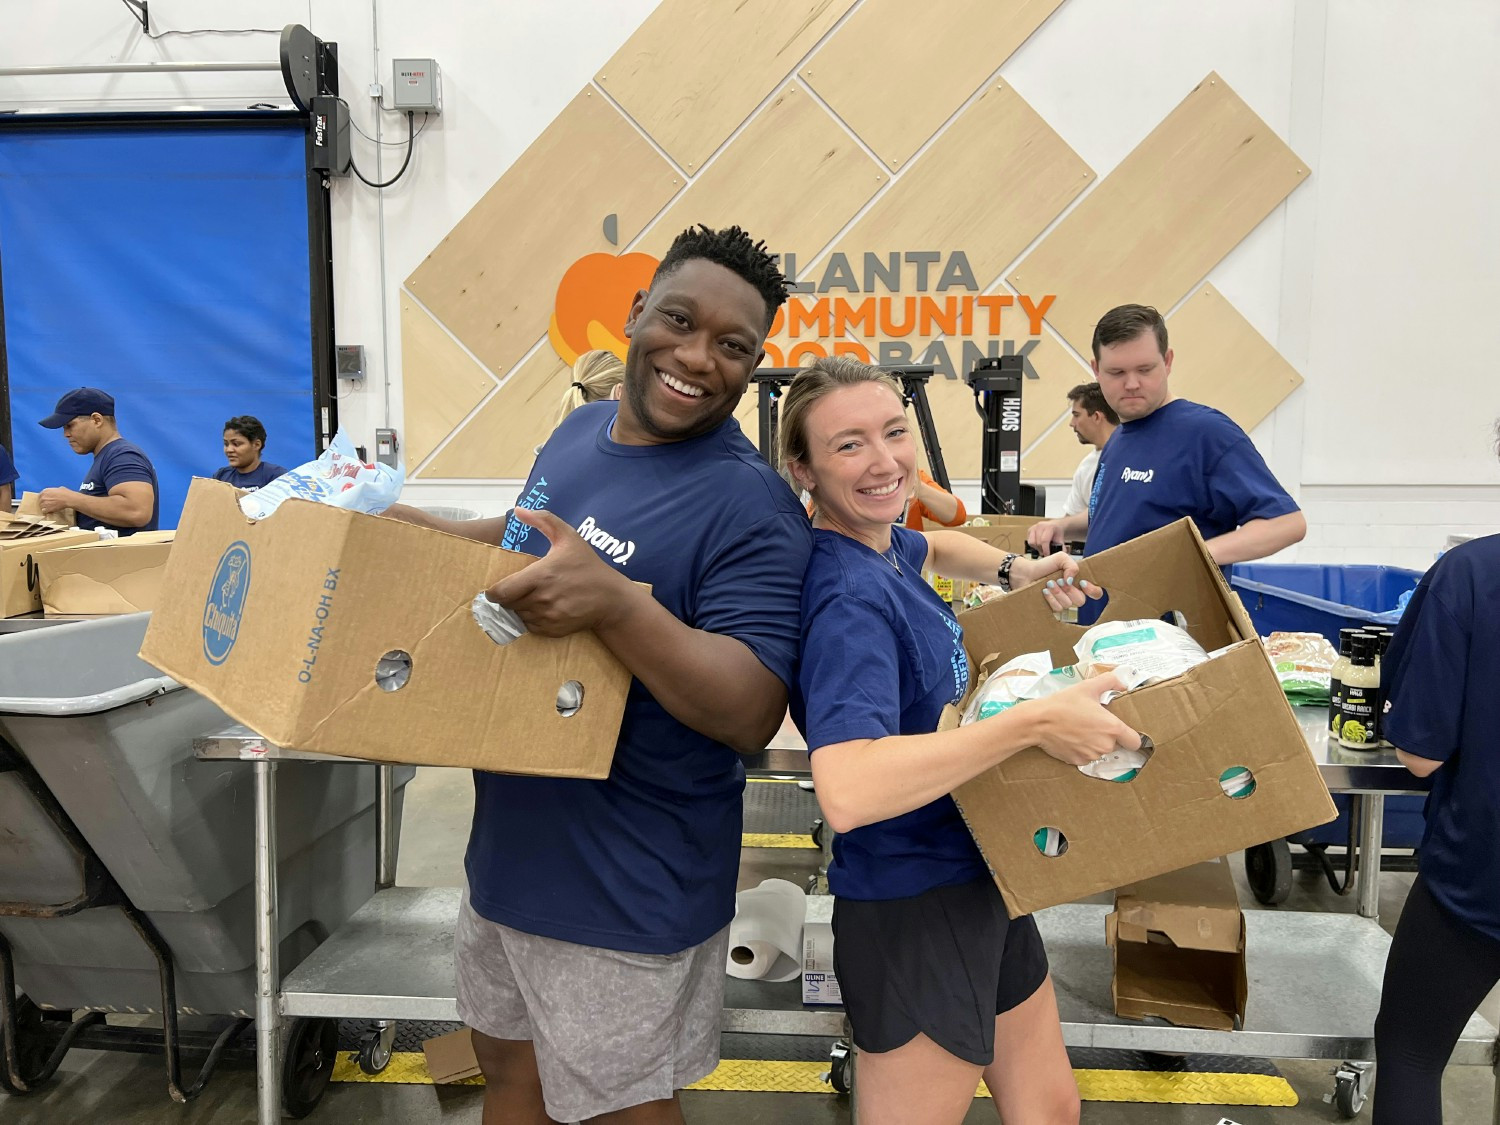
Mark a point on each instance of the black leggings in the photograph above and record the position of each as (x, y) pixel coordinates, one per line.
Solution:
(1438, 972)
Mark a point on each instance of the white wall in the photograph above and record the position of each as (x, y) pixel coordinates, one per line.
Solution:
(1376, 279)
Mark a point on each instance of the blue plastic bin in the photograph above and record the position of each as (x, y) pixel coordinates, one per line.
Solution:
(1320, 598)
(1324, 598)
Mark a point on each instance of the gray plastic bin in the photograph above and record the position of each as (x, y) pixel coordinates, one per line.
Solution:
(112, 740)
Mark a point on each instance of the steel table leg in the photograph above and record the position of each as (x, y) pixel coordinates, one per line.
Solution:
(1371, 835)
(385, 800)
(267, 970)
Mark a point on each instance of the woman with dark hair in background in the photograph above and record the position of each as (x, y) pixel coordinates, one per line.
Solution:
(1442, 680)
(244, 438)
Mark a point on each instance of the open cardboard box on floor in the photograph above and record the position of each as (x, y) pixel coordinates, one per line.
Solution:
(1227, 712)
(20, 577)
(121, 575)
(284, 622)
(1179, 942)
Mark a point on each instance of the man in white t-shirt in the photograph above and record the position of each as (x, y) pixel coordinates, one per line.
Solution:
(1093, 421)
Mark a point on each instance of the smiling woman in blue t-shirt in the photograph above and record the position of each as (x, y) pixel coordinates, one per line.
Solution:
(1441, 676)
(940, 984)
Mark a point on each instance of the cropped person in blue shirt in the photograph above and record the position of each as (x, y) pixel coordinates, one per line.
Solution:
(120, 489)
(244, 441)
(1442, 682)
(940, 984)
(592, 941)
(8, 478)
(1171, 458)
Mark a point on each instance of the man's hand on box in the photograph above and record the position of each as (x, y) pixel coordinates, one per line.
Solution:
(1074, 727)
(1043, 534)
(53, 500)
(568, 589)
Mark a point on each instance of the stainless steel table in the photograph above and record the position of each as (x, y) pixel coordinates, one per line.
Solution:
(1314, 978)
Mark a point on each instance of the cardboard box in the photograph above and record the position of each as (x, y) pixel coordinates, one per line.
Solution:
(450, 1058)
(1008, 533)
(819, 985)
(284, 622)
(1227, 712)
(20, 578)
(107, 575)
(1179, 942)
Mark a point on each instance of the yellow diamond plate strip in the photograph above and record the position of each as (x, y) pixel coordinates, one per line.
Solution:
(776, 840)
(1178, 1088)
(407, 1068)
(762, 1076)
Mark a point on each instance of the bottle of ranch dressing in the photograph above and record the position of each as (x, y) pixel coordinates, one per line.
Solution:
(1360, 721)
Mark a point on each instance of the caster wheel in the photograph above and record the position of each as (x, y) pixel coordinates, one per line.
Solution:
(311, 1048)
(374, 1055)
(841, 1067)
(1268, 867)
(818, 828)
(1351, 1088)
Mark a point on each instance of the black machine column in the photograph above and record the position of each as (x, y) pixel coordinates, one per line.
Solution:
(997, 400)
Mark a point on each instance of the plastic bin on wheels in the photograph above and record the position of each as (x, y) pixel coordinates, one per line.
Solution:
(1324, 598)
(110, 741)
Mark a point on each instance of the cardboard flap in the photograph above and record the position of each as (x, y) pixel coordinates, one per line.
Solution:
(1007, 533)
(1193, 908)
(1165, 570)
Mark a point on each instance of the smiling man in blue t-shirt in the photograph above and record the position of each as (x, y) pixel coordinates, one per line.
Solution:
(1171, 458)
(120, 489)
(591, 944)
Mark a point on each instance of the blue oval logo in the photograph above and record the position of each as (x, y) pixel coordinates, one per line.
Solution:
(226, 602)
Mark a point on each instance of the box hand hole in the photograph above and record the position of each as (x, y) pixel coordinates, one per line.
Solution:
(393, 670)
(570, 699)
(1121, 765)
(1237, 782)
(1050, 842)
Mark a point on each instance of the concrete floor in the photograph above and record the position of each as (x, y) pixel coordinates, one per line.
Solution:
(118, 1088)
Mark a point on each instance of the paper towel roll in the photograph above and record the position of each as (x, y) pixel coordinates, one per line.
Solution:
(765, 938)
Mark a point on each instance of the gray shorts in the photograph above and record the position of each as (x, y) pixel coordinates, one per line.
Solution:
(610, 1029)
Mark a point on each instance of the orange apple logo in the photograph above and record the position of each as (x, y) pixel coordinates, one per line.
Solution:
(593, 300)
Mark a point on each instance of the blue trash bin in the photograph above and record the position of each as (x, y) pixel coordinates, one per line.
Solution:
(1324, 598)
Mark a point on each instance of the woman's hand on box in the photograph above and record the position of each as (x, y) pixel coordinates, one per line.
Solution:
(1063, 589)
(567, 590)
(1073, 726)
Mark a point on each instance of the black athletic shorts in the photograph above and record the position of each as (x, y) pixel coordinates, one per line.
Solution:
(944, 964)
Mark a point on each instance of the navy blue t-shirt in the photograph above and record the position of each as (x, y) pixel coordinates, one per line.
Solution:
(882, 655)
(116, 463)
(263, 474)
(1442, 680)
(8, 474)
(1183, 459)
(646, 860)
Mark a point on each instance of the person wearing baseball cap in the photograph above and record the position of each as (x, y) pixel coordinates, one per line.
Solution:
(119, 490)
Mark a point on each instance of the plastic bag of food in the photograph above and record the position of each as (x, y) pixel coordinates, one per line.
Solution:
(1155, 650)
(337, 478)
(1304, 665)
(1031, 676)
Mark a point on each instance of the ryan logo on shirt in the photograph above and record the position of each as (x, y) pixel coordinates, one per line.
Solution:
(1138, 476)
(618, 550)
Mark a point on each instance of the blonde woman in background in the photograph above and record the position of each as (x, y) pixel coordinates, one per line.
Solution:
(597, 375)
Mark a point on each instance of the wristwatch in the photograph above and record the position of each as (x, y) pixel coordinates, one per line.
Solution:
(1002, 576)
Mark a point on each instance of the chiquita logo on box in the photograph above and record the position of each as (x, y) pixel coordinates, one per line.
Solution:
(226, 602)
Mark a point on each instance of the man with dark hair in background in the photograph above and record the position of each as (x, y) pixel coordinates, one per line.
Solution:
(1172, 458)
(592, 940)
(1092, 421)
(120, 489)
